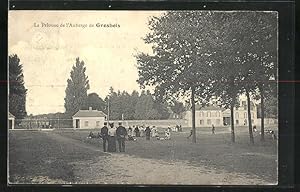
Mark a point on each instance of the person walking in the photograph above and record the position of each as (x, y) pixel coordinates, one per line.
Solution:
(148, 132)
(191, 133)
(104, 135)
(111, 138)
(213, 129)
(121, 133)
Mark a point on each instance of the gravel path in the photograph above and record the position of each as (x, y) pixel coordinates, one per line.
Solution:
(125, 169)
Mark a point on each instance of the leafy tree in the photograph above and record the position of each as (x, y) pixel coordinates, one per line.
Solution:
(145, 107)
(177, 107)
(94, 101)
(76, 91)
(180, 63)
(17, 90)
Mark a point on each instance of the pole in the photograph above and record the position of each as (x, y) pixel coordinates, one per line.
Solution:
(108, 109)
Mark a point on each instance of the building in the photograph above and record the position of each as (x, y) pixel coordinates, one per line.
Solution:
(11, 121)
(89, 119)
(241, 113)
(206, 116)
(213, 115)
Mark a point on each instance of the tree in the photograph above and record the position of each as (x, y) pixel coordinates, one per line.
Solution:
(94, 101)
(17, 90)
(144, 108)
(177, 107)
(180, 63)
(260, 58)
(77, 86)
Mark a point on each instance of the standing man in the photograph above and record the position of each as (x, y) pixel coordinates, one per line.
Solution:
(148, 132)
(104, 135)
(121, 133)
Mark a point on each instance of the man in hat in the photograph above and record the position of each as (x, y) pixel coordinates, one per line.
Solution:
(121, 133)
(104, 135)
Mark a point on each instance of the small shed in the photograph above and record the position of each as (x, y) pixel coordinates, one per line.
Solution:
(11, 121)
(89, 119)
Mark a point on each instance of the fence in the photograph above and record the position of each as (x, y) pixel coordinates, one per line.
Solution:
(43, 123)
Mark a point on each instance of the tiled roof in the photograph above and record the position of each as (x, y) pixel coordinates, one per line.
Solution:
(208, 108)
(10, 115)
(89, 113)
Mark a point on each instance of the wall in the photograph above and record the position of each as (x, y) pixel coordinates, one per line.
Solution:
(267, 121)
(92, 122)
(158, 123)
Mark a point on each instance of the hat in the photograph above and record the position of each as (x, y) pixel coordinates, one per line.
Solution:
(105, 123)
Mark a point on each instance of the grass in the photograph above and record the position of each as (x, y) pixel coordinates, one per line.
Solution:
(33, 153)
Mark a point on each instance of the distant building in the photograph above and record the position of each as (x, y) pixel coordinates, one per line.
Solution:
(11, 121)
(89, 119)
(206, 116)
(241, 114)
(217, 116)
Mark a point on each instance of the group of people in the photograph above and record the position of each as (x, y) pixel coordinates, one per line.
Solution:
(110, 135)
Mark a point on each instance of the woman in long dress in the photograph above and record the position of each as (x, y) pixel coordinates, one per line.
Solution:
(111, 139)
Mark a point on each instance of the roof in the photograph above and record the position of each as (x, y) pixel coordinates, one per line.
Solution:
(208, 108)
(89, 113)
(10, 115)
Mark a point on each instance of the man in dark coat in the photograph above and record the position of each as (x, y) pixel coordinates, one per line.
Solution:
(148, 131)
(104, 135)
(121, 133)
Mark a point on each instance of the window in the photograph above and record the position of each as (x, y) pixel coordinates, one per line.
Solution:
(201, 122)
(245, 122)
(86, 123)
(237, 115)
(209, 114)
(201, 114)
(208, 121)
(245, 115)
(98, 123)
(218, 121)
(237, 122)
(206, 114)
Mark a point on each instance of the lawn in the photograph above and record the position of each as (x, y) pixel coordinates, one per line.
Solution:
(36, 158)
(50, 153)
(212, 151)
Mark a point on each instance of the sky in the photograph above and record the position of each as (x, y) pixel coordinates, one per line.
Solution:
(47, 48)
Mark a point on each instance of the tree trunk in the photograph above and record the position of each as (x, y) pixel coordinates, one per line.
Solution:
(249, 117)
(232, 113)
(193, 114)
(232, 122)
(262, 128)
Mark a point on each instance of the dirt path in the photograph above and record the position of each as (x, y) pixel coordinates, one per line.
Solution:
(125, 169)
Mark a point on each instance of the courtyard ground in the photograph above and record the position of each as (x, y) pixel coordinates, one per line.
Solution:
(68, 156)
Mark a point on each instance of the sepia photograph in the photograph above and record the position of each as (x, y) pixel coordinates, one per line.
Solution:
(143, 97)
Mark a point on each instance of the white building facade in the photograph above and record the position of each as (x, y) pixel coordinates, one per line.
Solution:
(11, 121)
(89, 119)
(219, 117)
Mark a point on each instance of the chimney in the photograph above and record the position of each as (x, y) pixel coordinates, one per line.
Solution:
(90, 108)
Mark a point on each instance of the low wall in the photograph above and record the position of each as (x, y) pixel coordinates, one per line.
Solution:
(157, 123)
(267, 121)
